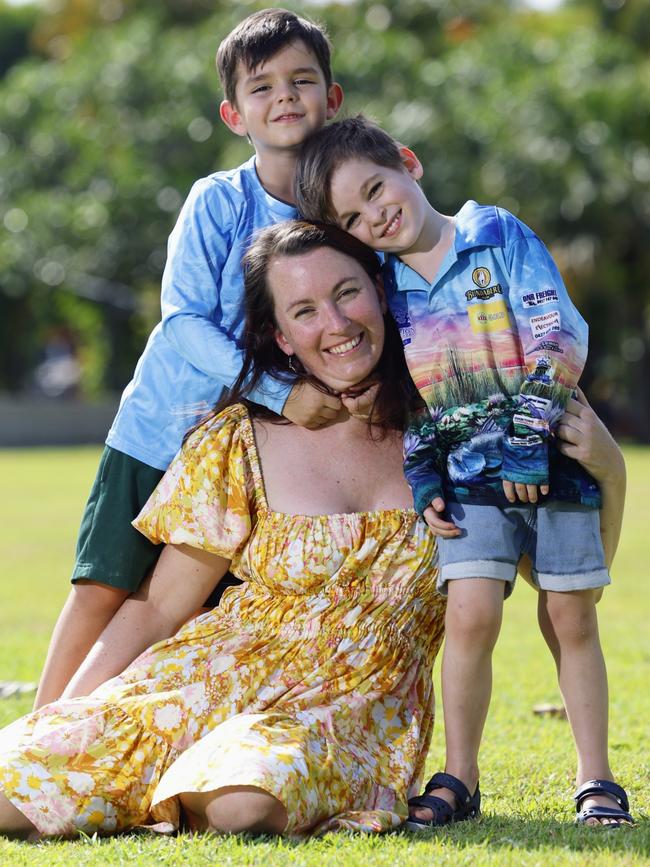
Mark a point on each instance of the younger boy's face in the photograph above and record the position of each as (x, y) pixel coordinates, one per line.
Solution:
(281, 102)
(383, 207)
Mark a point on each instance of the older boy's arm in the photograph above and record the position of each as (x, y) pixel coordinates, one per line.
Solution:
(181, 581)
(201, 299)
(583, 437)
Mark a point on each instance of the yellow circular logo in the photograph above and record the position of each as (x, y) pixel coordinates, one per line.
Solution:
(481, 276)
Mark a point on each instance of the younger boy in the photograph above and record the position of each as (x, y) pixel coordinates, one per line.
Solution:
(495, 348)
(275, 71)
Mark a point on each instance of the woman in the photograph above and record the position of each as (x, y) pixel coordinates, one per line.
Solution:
(304, 702)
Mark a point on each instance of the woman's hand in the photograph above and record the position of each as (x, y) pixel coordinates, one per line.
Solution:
(583, 437)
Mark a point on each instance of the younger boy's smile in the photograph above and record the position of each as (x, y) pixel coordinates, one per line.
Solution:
(384, 207)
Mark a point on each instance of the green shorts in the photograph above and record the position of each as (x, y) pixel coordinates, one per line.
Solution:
(109, 550)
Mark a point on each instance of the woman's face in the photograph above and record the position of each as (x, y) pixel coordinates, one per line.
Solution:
(329, 314)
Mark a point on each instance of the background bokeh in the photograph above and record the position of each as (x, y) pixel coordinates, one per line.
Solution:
(109, 112)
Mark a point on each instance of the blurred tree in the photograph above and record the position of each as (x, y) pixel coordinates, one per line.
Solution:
(16, 26)
(546, 114)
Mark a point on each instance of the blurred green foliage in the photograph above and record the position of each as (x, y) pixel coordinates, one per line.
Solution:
(112, 113)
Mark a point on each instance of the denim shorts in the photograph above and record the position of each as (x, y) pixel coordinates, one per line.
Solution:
(562, 540)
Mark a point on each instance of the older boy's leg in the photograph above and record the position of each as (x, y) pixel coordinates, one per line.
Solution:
(472, 624)
(569, 624)
(86, 613)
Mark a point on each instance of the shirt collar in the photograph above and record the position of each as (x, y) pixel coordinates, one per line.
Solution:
(476, 226)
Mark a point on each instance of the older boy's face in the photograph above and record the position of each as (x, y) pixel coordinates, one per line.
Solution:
(381, 206)
(283, 101)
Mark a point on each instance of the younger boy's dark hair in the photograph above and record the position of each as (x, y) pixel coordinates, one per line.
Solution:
(260, 36)
(324, 151)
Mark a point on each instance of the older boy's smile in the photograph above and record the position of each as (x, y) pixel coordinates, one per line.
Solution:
(282, 101)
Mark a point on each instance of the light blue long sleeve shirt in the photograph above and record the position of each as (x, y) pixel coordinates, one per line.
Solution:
(194, 353)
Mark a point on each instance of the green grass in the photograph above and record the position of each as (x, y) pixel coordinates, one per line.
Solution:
(527, 761)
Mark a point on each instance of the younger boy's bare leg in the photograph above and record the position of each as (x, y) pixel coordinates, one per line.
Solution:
(569, 624)
(472, 625)
(88, 609)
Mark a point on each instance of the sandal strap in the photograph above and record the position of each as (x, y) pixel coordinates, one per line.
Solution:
(442, 811)
(448, 781)
(604, 813)
(601, 787)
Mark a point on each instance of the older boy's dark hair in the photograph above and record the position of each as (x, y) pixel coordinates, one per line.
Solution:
(260, 36)
(324, 151)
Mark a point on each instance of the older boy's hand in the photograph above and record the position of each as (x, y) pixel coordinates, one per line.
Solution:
(308, 407)
(524, 493)
(437, 524)
(360, 402)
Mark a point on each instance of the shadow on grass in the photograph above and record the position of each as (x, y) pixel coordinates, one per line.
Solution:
(493, 833)
(490, 835)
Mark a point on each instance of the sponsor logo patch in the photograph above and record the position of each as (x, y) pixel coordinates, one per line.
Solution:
(545, 324)
(485, 293)
(541, 404)
(544, 296)
(482, 277)
(530, 440)
(551, 346)
(532, 423)
(400, 311)
(489, 316)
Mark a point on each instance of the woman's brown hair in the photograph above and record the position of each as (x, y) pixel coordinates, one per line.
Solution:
(262, 355)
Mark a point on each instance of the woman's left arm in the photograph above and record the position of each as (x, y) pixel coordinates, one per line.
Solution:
(584, 437)
(181, 581)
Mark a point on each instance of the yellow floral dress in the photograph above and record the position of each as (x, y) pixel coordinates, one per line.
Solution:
(312, 680)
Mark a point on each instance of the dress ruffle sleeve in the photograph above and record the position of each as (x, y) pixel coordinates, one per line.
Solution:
(206, 497)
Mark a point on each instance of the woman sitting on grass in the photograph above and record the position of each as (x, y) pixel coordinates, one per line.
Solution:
(304, 703)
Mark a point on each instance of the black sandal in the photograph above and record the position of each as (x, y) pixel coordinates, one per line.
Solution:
(612, 790)
(469, 806)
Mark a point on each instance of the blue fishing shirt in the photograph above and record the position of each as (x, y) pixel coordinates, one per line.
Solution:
(495, 348)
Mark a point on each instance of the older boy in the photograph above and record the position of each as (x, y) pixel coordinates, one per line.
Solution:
(495, 348)
(275, 71)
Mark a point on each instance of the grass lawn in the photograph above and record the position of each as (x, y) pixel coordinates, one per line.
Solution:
(527, 761)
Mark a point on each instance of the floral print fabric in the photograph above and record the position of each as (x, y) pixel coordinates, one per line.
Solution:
(312, 680)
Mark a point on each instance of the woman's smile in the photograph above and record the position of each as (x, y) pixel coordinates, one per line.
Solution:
(348, 346)
(330, 315)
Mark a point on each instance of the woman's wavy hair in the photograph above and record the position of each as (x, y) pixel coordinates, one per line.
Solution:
(263, 356)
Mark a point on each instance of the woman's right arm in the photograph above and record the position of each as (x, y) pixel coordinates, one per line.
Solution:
(181, 581)
(583, 436)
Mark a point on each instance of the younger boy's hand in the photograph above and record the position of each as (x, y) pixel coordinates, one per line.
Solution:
(524, 493)
(437, 524)
(308, 407)
(360, 402)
